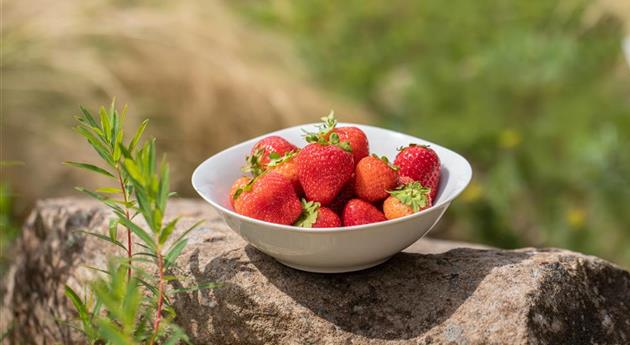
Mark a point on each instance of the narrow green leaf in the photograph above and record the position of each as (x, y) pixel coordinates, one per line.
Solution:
(105, 123)
(143, 235)
(113, 229)
(84, 316)
(151, 162)
(145, 254)
(174, 252)
(164, 185)
(90, 167)
(134, 172)
(117, 146)
(109, 190)
(104, 238)
(168, 230)
(90, 193)
(138, 135)
(114, 336)
(88, 117)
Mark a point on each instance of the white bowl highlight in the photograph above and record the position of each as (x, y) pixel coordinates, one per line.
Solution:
(330, 250)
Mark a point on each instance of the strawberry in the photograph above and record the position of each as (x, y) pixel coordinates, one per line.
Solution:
(358, 212)
(406, 200)
(286, 166)
(420, 163)
(357, 139)
(315, 216)
(323, 170)
(269, 197)
(264, 151)
(403, 180)
(238, 184)
(374, 176)
(346, 193)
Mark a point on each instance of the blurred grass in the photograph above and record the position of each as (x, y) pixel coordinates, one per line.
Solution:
(204, 75)
(534, 93)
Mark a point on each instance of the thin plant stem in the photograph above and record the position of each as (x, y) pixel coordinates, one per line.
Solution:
(160, 301)
(123, 188)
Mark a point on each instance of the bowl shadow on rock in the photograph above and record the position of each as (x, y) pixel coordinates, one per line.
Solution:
(400, 299)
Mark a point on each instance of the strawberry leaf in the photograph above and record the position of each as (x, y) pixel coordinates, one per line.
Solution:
(245, 188)
(309, 214)
(253, 163)
(276, 159)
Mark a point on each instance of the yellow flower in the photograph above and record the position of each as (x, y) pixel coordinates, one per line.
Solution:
(509, 139)
(473, 192)
(575, 217)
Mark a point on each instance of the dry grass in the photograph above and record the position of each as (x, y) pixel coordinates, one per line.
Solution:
(206, 78)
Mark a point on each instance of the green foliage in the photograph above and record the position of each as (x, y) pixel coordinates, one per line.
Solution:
(127, 305)
(8, 229)
(533, 92)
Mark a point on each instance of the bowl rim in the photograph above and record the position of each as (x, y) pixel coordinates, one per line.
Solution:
(439, 205)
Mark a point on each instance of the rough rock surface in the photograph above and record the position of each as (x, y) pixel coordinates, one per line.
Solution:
(462, 296)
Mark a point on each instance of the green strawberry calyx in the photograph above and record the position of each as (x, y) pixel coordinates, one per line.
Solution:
(253, 163)
(277, 159)
(386, 161)
(310, 211)
(412, 194)
(325, 134)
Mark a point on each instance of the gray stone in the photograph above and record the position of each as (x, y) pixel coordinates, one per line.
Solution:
(454, 296)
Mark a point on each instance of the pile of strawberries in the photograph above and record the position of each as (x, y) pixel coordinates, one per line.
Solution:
(334, 181)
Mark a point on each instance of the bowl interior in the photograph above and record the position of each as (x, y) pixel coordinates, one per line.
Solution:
(214, 177)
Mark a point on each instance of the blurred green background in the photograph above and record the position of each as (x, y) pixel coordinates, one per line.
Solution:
(536, 94)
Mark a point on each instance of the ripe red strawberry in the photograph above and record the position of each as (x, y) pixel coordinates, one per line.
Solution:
(358, 212)
(346, 194)
(327, 218)
(406, 200)
(357, 139)
(374, 177)
(315, 216)
(238, 184)
(271, 198)
(422, 164)
(323, 170)
(264, 151)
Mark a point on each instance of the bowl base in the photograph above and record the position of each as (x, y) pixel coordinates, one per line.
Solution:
(341, 269)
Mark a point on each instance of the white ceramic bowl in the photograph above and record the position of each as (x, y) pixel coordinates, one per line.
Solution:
(330, 250)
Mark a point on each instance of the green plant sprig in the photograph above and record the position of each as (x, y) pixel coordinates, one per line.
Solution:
(127, 305)
(106, 138)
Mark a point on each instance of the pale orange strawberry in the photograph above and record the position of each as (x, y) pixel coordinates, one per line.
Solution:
(374, 176)
(405, 200)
